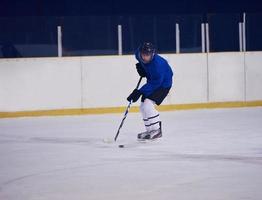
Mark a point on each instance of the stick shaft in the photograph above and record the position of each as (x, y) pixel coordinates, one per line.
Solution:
(126, 112)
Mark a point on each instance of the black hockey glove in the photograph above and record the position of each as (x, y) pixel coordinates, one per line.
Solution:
(134, 96)
(140, 70)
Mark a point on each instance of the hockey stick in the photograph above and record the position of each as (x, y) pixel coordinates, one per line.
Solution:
(127, 110)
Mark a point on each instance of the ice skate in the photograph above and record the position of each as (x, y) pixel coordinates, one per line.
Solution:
(142, 135)
(154, 134)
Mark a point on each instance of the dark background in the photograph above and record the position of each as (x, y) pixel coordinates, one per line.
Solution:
(29, 27)
(116, 7)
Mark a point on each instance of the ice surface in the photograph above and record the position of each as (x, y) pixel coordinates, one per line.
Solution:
(204, 155)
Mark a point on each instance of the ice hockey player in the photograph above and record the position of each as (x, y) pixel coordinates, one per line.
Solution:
(159, 81)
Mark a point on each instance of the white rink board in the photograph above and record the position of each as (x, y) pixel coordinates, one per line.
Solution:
(106, 81)
(190, 78)
(254, 75)
(40, 84)
(226, 77)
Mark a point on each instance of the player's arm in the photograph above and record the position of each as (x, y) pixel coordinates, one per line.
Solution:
(152, 84)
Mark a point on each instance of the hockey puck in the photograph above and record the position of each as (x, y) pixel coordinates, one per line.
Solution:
(121, 146)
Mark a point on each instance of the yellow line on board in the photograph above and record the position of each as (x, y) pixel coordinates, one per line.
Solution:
(108, 110)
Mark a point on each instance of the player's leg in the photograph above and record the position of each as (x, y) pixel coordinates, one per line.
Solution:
(153, 118)
(150, 117)
(145, 120)
(151, 114)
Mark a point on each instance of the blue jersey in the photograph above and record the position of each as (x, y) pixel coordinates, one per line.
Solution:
(158, 73)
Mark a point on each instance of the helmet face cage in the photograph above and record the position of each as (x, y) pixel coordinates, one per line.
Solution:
(147, 48)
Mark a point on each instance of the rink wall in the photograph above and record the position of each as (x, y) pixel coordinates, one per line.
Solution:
(100, 84)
